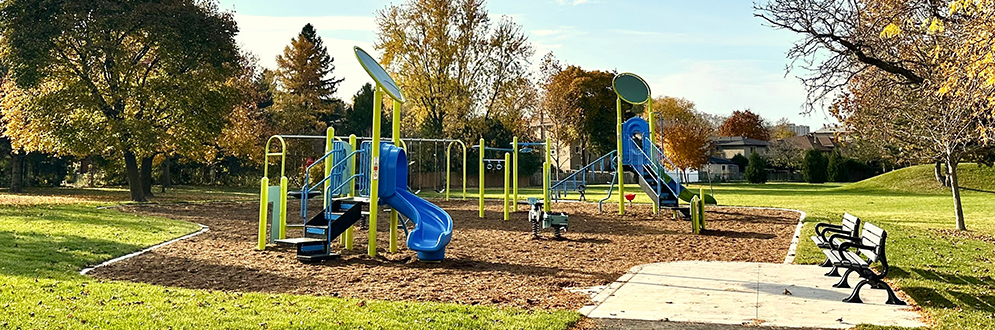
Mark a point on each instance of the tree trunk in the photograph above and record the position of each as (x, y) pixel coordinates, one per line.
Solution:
(955, 189)
(165, 179)
(938, 172)
(16, 172)
(134, 177)
(146, 173)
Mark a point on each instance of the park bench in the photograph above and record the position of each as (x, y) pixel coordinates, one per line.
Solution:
(849, 227)
(871, 249)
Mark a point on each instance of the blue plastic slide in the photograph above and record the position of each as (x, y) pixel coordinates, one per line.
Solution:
(433, 226)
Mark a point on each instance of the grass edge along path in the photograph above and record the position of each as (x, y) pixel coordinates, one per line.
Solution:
(43, 247)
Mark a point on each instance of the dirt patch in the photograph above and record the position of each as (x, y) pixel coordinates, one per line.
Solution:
(489, 261)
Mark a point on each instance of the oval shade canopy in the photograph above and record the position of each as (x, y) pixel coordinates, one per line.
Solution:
(378, 74)
(631, 88)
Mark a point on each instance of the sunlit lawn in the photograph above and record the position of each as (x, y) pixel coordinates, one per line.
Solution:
(43, 247)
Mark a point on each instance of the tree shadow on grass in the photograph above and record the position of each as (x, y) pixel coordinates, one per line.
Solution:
(942, 277)
(54, 256)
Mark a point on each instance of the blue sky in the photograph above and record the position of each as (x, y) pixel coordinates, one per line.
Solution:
(714, 53)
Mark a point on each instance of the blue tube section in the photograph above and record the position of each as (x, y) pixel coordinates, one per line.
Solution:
(433, 226)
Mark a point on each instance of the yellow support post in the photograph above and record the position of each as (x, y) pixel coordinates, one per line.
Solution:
(507, 177)
(546, 176)
(329, 162)
(618, 170)
(352, 189)
(480, 181)
(375, 171)
(396, 133)
(514, 178)
(652, 151)
(283, 207)
(263, 205)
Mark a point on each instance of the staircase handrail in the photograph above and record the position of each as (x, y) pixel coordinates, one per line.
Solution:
(308, 188)
(573, 176)
(664, 157)
(652, 169)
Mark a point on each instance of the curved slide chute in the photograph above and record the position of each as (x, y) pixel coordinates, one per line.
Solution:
(433, 226)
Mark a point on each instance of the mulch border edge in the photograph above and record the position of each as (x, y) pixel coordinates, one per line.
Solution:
(203, 229)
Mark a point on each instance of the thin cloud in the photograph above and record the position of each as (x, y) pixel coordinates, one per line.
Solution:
(321, 23)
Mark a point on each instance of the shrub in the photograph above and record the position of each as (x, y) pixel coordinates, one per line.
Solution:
(756, 171)
(741, 161)
(814, 169)
(838, 170)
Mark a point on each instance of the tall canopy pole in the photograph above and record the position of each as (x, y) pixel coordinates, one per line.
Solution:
(384, 84)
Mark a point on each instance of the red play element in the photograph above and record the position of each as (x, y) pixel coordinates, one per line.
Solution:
(630, 197)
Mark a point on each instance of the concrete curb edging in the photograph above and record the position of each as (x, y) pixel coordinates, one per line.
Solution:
(203, 229)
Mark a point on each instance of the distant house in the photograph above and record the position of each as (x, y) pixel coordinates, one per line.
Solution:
(726, 147)
(719, 169)
(819, 140)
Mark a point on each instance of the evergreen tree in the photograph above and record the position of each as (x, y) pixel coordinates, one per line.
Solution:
(838, 171)
(358, 118)
(742, 161)
(814, 169)
(756, 171)
(306, 99)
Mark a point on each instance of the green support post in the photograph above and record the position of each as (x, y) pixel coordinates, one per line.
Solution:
(396, 128)
(263, 205)
(618, 170)
(283, 207)
(352, 190)
(514, 182)
(507, 178)
(480, 180)
(652, 151)
(375, 171)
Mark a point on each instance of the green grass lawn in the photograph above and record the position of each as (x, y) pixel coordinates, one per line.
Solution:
(43, 246)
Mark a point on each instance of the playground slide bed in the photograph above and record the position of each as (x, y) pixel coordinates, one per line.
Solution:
(490, 261)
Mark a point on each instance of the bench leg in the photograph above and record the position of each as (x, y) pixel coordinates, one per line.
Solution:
(843, 280)
(835, 272)
(826, 263)
(892, 298)
(855, 295)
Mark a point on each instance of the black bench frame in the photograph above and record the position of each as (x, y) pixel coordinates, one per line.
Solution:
(849, 227)
(871, 249)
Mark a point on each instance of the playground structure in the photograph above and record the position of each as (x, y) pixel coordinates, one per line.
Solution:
(357, 178)
(636, 153)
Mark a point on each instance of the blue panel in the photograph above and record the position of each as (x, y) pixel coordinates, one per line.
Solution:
(312, 248)
(316, 231)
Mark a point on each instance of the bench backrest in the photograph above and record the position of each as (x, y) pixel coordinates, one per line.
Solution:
(851, 224)
(873, 236)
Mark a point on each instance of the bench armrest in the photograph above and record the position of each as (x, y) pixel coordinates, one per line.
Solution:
(847, 245)
(843, 237)
(822, 226)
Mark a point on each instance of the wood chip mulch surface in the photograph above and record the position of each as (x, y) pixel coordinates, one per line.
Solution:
(488, 262)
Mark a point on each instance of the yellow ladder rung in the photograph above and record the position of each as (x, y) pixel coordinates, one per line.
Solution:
(274, 154)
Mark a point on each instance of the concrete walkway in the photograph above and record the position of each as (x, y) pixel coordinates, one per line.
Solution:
(743, 293)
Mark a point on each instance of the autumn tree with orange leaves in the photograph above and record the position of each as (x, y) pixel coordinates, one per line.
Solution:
(686, 133)
(745, 123)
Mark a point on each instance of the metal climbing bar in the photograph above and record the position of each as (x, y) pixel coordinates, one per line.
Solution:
(599, 163)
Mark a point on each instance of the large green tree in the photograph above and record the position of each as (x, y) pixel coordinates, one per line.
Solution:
(457, 67)
(305, 101)
(124, 78)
